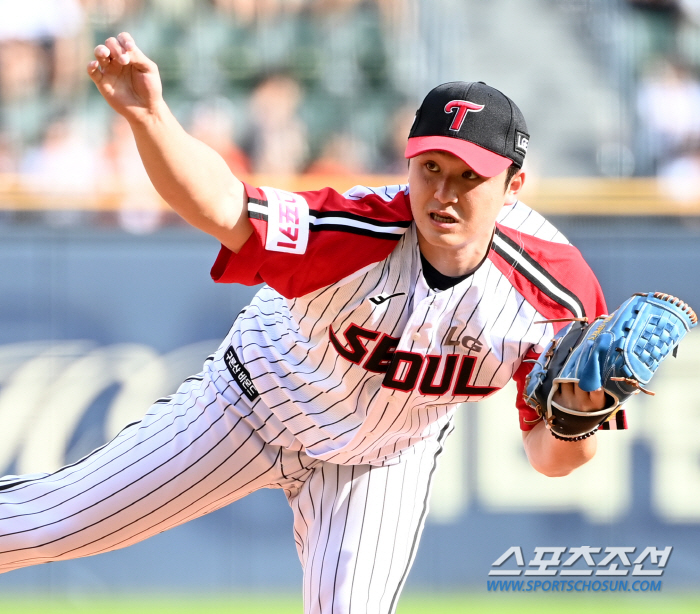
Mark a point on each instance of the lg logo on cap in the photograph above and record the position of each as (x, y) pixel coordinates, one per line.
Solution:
(463, 107)
(522, 140)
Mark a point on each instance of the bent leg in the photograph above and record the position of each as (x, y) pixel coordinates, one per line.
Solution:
(190, 455)
(357, 530)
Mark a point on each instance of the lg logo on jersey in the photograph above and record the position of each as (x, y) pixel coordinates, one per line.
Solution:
(406, 370)
(469, 343)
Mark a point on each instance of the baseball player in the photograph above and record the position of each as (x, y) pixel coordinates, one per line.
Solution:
(383, 309)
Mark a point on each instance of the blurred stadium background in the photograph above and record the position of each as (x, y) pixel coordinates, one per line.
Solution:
(106, 303)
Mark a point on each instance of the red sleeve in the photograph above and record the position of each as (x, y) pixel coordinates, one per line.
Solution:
(308, 240)
(556, 280)
(528, 416)
(553, 277)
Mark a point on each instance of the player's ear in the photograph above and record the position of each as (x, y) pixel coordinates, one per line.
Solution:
(514, 187)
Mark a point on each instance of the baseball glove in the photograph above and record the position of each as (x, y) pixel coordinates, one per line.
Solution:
(619, 353)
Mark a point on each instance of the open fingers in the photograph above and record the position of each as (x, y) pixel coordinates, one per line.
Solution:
(102, 55)
(93, 70)
(124, 75)
(126, 41)
(135, 56)
(97, 67)
(117, 52)
(111, 56)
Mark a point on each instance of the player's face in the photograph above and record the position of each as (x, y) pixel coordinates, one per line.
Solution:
(455, 209)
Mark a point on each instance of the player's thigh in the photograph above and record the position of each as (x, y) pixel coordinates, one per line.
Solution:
(188, 456)
(357, 530)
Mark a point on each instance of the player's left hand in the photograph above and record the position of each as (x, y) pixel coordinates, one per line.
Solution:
(614, 357)
(571, 396)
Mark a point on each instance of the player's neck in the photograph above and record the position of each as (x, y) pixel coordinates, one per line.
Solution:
(455, 261)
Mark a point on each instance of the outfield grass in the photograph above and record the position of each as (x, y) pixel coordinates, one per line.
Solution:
(410, 604)
(551, 604)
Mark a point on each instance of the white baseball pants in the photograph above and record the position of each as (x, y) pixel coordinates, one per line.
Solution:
(356, 527)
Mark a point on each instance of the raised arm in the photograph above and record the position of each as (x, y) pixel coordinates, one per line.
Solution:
(190, 176)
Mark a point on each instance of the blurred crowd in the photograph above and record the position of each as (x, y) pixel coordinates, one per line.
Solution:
(287, 87)
(269, 84)
(666, 97)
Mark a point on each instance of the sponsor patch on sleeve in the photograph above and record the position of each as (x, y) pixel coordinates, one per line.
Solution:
(287, 221)
(240, 374)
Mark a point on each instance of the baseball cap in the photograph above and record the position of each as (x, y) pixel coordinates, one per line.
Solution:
(473, 121)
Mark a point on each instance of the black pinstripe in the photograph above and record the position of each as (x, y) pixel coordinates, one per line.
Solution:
(362, 527)
(212, 447)
(543, 273)
(351, 563)
(117, 442)
(441, 440)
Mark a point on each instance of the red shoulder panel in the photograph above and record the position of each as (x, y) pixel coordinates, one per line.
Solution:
(553, 277)
(344, 236)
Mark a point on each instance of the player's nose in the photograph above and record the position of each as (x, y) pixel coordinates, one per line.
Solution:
(445, 191)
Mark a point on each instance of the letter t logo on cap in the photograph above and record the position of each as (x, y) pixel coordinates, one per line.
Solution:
(463, 107)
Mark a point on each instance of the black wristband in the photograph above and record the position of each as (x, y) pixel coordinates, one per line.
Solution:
(578, 438)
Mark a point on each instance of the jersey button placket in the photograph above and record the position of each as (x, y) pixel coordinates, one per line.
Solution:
(422, 314)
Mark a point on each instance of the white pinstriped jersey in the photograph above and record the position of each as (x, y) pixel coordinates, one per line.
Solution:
(371, 360)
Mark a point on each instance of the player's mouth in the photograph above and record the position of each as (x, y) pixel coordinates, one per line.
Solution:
(442, 218)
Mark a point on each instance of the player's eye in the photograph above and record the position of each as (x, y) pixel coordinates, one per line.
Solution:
(432, 166)
(470, 174)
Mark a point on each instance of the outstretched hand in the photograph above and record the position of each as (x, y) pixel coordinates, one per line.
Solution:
(127, 79)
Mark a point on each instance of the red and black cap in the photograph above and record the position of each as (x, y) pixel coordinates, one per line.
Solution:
(473, 121)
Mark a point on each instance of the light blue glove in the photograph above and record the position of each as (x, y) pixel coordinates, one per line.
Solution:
(618, 353)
